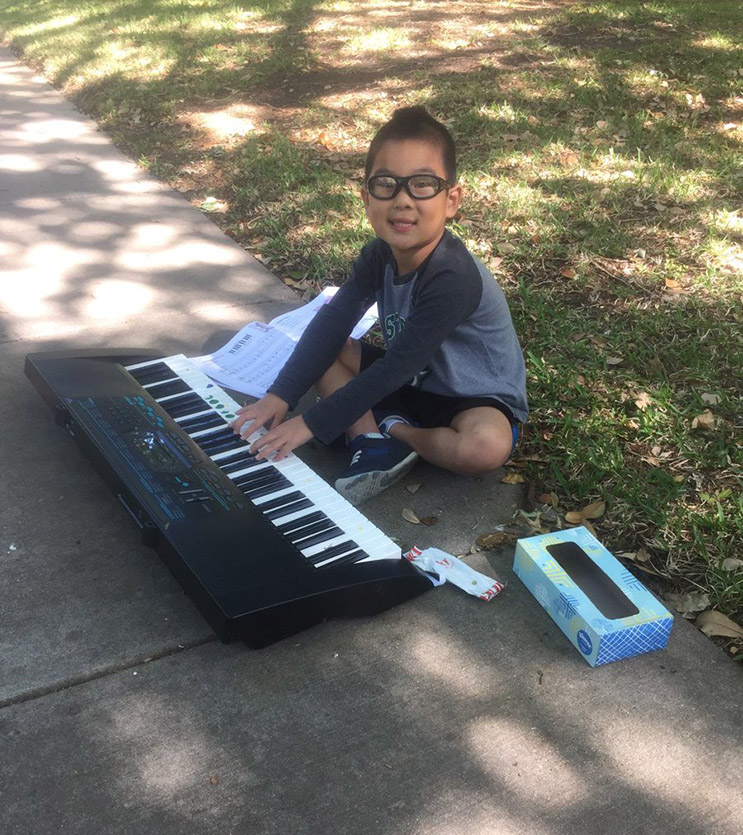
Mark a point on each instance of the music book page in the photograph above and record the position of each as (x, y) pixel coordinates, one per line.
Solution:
(252, 359)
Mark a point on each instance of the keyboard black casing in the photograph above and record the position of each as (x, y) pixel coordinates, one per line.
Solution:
(247, 580)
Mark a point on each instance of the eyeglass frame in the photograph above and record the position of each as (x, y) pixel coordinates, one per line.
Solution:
(404, 182)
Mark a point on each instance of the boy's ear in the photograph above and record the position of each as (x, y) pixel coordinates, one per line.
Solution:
(453, 199)
(365, 197)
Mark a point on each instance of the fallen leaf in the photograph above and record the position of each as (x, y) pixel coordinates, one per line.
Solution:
(513, 478)
(409, 516)
(574, 517)
(568, 273)
(704, 421)
(642, 401)
(614, 360)
(413, 488)
(731, 564)
(593, 510)
(689, 603)
(545, 498)
(714, 623)
(429, 520)
(495, 539)
(589, 527)
(710, 399)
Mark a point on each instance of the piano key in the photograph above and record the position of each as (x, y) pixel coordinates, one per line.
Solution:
(337, 551)
(208, 420)
(322, 536)
(220, 444)
(287, 509)
(184, 405)
(257, 492)
(259, 478)
(167, 389)
(302, 520)
(354, 556)
(151, 372)
(243, 461)
(271, 504)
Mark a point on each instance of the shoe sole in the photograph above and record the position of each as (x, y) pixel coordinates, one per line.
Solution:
(361, 488)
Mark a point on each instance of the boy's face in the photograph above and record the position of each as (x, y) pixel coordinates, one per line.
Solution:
(411, 227)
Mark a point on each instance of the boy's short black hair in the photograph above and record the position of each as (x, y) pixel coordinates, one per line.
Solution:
(415, 123)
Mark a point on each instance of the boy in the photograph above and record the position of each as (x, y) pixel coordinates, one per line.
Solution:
(450, 387)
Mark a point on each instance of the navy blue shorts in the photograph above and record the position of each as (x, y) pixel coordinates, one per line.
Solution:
(427, 408)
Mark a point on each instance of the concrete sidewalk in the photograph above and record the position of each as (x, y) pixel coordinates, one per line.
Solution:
(120, 712)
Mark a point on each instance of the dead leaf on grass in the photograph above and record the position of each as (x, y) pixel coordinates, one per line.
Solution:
(594, 510)
(704, 421)
(731, 564)
(714, 623)
(710, 399)
(513, 478)
(568, 273)
(688, 603)
(574, 517)
(642, 401)
(614, 360)
(409, 516)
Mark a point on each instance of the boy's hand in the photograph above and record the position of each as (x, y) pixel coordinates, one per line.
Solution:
(282, 440)
(268, 411)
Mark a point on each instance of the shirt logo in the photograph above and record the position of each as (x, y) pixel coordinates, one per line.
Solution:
(393, 325)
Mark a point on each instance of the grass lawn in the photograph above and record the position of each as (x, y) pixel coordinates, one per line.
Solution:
(601, 150)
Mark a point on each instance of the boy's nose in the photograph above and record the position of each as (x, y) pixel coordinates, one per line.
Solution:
(402, 199)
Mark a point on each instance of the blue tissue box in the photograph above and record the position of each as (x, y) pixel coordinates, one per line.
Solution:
(604, 610)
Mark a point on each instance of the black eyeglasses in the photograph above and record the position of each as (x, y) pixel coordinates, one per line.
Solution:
(418, 186)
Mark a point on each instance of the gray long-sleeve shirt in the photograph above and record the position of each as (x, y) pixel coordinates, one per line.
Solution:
(447, 327)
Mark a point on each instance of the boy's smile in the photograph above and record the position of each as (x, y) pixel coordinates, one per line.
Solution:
(411, 227)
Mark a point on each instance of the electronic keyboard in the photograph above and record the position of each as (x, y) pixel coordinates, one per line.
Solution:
(263, 548)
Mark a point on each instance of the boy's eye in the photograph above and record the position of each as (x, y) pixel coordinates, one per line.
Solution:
(385, 185)
(423, 185)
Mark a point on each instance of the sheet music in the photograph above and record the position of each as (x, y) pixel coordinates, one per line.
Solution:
(252, 359)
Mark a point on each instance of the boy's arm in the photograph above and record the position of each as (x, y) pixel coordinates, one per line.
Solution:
(445, 299)
(323, 339)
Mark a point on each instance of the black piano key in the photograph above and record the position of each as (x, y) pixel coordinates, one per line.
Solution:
(354, 556)
(307, 519)
(153, 373)
(235, 463)
(286, 509)
(257, 492)
(335, 551)
(221, 434)
(214, 446)
(198, 424)
(303, 533)
(186, 404)
(323, 536)
(281, 500)
(255, 478)
(160, 390)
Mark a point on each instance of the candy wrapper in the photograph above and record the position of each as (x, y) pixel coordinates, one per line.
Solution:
(453, 570)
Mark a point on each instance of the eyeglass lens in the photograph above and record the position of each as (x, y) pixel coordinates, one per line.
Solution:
(418, 186)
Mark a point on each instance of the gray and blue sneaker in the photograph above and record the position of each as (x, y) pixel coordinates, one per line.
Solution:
(376, 464)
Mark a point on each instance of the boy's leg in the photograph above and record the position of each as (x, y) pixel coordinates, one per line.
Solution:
(476, 442)
(346, 366)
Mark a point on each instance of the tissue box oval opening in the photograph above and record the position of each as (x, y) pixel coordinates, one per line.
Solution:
(604, 610)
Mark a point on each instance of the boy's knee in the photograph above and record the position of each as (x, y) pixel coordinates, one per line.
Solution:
(480, 455)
